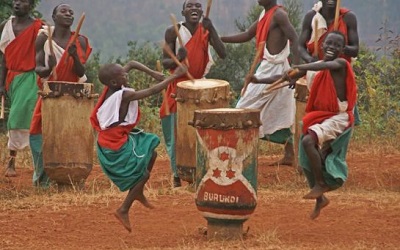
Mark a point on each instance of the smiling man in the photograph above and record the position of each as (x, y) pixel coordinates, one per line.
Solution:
(17, 76)
(197, 32)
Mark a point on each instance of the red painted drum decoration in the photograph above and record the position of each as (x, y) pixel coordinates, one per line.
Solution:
(226, 171)
(191, 96)
(68, 137)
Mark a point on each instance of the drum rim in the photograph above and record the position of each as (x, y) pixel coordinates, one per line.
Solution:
(222, 83)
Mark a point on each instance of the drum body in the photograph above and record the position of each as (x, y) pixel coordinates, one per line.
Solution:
(226, 168)
(191, 96)
(301, 95)
(67, 134)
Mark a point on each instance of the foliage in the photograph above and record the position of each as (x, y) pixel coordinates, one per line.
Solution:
(294, 9)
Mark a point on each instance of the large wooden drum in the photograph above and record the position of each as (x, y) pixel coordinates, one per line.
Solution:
(191, 96)
(226, 168)
(67, 134)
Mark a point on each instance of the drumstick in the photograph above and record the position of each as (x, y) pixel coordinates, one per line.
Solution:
(2, 107)
(337, 13)
(316, 32)
(50, 41)
(178, 35)
(276, 85)
(171, 54)
(78, 28)
(209, 3)
(253, 65)
(158, 67)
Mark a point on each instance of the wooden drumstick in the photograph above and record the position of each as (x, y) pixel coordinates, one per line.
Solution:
(276, 85)
(209, 3)
(171, 54)
(158, 67)
(337, 13)
(50, 41)
(316, 33)
(253, 65)
(178, 35)
(78, 28)
(2, 107)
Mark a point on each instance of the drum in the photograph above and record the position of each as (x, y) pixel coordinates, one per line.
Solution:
(301, 95)
(226, 168)
(68, 137)
(191, 96)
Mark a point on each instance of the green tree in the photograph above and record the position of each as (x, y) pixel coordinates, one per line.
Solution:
(6, 9)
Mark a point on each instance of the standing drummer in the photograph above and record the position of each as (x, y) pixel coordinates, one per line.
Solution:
(66, 64)
(17, 75)
(196, 37)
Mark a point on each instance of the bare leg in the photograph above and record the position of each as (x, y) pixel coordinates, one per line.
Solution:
(313, 154)
(288, 158)
(10, 171)
(135, 193)
(320, 203)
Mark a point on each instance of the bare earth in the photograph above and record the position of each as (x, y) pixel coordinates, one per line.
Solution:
(364, 214)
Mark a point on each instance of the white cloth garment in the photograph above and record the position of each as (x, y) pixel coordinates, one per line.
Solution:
(108, 113)
(7, 36)
(332, 127)
(278, 108)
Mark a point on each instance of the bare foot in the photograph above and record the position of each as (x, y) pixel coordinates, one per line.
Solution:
(321, 202)
(316, 192)
(142, 199)
(124, 219)
(287, 161)
(10, 172)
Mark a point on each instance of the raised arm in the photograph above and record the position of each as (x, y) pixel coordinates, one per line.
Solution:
(41, 69)
(336, 64)
(352, 47)
(243, 37)
(305, 36)
(215, 40)
(170, 40)
(139, 66)
(79, 68)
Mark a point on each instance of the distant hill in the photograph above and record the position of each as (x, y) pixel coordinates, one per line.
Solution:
(110, 24)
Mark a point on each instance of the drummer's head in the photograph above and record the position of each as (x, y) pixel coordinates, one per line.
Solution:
(63, 15)
(113, 75)
(333, 45)
(192, 11)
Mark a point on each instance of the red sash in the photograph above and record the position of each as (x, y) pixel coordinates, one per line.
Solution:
(20, 53)
(322, 102)
(65, 72)
(197, 54)
(112, 138)
(263, 27)
(342, 28)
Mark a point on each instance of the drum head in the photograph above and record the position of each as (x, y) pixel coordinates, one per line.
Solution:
(202, 84)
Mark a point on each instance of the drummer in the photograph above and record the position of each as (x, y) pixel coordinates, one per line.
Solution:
(66, 64)
(197, 32)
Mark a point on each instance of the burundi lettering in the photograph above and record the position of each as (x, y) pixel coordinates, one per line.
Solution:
(220, 198)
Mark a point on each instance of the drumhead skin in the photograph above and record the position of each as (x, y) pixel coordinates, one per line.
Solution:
(202, 84)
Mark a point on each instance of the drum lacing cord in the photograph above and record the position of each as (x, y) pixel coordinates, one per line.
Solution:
(134, 143)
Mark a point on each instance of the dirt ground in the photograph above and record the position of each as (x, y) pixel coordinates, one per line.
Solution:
(364, 214)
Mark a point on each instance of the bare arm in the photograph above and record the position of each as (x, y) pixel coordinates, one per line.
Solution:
(241, 37)
(41, 68)
(305, 36)
(139, 66)
(170, 39)
(268, 80)
(287, 28)
(336, 64)
(3, 68)
(215, 40)
(352, 47)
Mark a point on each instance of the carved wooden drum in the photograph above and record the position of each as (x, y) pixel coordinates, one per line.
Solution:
(226, 169)
(191, 96)
(67, 134)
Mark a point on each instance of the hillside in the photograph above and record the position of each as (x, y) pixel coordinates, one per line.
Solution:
(111, 24)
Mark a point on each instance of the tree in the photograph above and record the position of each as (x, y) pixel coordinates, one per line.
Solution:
(6, 9)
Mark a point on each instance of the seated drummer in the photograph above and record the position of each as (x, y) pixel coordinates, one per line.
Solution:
(66, 64)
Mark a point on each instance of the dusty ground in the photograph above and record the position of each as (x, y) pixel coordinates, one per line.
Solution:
(364, 214)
